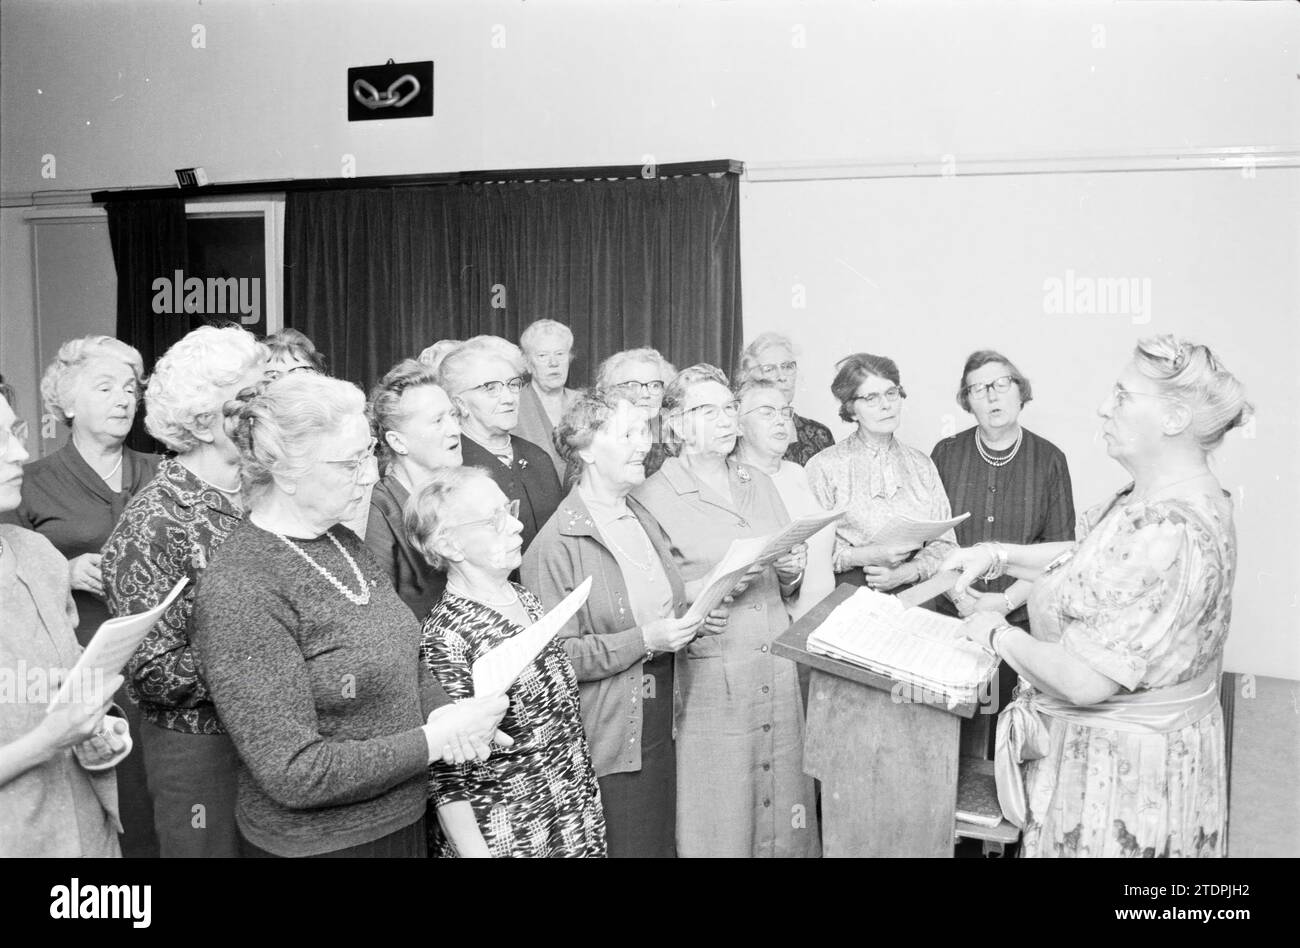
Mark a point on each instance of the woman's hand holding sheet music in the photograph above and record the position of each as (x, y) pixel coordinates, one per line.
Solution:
(669, 635)
(466, 729)
(789, 568)
(885, 578)
(873, 554)
(716, 621)
(70, 724)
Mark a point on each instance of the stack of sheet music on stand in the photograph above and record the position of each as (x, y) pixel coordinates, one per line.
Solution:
(906, 643)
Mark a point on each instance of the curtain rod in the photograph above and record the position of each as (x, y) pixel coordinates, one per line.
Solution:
(669, 170)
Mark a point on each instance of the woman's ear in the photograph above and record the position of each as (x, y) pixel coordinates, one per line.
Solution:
(397, 441)
(288, 485)
(445, 546)
(1178, 418)
(203, 427)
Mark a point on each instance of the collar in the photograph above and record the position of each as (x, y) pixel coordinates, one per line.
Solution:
(87, 476)
(874, 449)
(601, 512)
(189, 490)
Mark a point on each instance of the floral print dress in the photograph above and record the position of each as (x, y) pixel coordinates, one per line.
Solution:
(1145, 599)
(538, 797)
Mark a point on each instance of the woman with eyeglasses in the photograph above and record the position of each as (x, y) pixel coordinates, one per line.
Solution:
(876, 476)
(537, 797)
(1016, 485)
(74, 496)
(640, 376)
(484, 377)
(311, 657)
(1114, 744)
(764, 439)
(290, 351)
(771, 357)
(741, 789)
(58, 793)
(169, 531)
(418, 435)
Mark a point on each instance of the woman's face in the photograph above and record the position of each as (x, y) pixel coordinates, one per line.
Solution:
(777, 364)
(617, 451)
(429, 434)
(104, 399)
(878, 407)
(342, 467)
(640, 381)
(993, 410)
(13, 452)
(549, 361)
(284, 363)
(706, 421)
(764, 426)
(1134, 416)
(495, 412)
(472, 536)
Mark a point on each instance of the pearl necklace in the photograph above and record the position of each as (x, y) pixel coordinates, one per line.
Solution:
(116, 467)
(357, 599)
(649, 551)
(998, 462)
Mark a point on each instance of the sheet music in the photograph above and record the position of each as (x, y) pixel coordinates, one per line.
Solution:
(906, 643)
(110, 649)
(496, 671)
(742, 554)
(900, 530)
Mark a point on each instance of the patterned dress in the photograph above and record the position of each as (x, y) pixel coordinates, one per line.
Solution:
(1145, 600)
(810, 438)
(538, 797)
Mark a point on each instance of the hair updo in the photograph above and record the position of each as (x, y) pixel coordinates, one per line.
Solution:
(1192, 373)
(385, 409)
(277, 425)
(582, 420)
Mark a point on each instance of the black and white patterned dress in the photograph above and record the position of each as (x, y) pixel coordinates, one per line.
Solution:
(538, 797)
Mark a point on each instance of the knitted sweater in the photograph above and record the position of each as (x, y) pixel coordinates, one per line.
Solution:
(324, 699)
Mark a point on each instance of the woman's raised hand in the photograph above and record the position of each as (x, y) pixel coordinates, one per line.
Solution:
(972, 562)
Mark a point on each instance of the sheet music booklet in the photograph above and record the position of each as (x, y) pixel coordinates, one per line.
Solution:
(496, 671)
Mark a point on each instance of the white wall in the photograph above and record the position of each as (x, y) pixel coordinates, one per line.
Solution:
(120, 96)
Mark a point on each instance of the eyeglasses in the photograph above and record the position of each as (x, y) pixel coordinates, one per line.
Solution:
(981, 389)
(358, 464)
(890, 395)
(711, 412)
(774, 369)
(17, 432)
(768, 413)
(495, 389)
(1121, 394)
(635, 388)
(273, 374)
(499, 519)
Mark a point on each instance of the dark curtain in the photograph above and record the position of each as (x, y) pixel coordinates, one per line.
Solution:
(375, 275)
(149, 242)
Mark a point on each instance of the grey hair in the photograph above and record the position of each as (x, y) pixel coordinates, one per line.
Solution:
(62, 375)
(186, 381)
(542, 327)
(434, 354)
(749, 357)
(605, 374)
(277, 426)
(456, 364)
(675, 395)
(1192, 373)
(427, 510)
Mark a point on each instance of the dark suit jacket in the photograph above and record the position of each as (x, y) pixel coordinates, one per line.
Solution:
(418, 584)
(530, 480)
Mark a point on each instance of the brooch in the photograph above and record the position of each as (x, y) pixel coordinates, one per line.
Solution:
(742, 475)
(523, 463)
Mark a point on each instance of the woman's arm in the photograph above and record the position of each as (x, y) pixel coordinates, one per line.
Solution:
(457, 821)
(1053, 670)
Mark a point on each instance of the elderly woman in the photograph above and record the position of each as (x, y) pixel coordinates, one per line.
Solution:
(538, 797)
(623, 641)
(418, 435)
(291, 351)
(764, 439)
(640, 375)
(1117, 719)
(311, 657)
(771, 357)
(169, 532)
(741, 790)
(548, 350)
(58, 794)
(1015, 484)
(483, 379)
(876, 476)
(74, 497)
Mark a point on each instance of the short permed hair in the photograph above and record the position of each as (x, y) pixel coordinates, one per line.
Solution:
(428, 509)
(853, 370)
(184, 389)
(59, 382)
(292, 344)
(384, 409)
(977, 360)
(545, 327)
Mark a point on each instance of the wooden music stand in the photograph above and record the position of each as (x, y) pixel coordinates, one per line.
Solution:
(886, 752)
